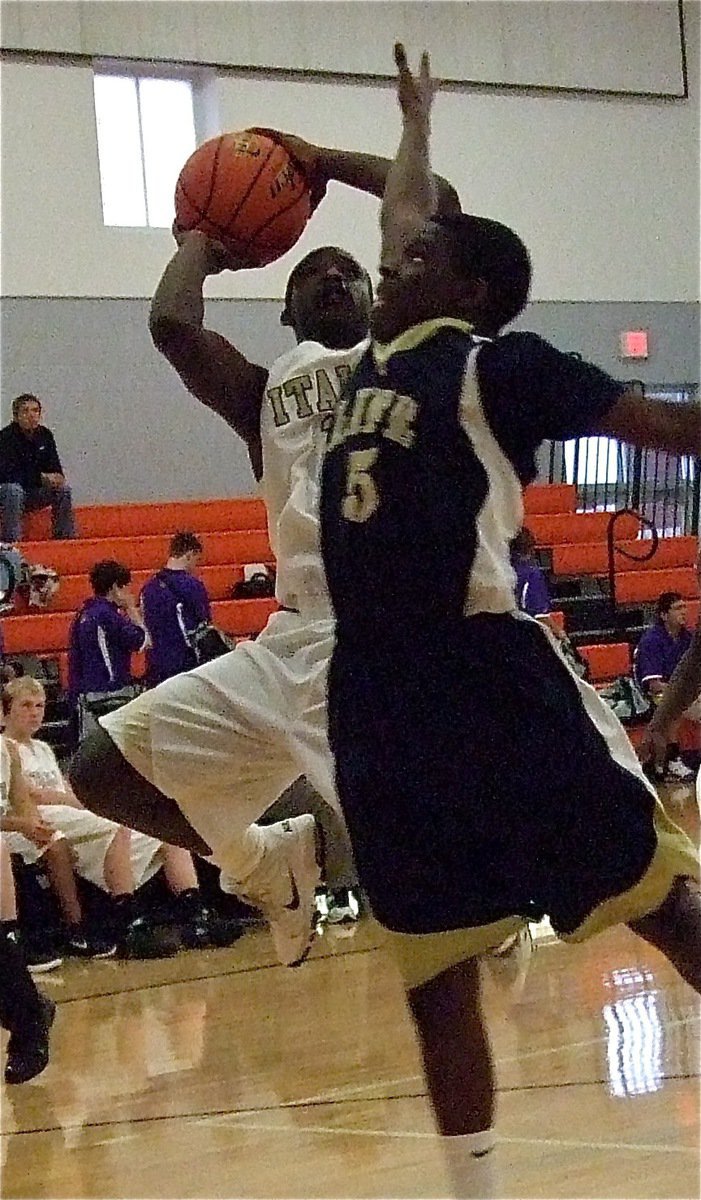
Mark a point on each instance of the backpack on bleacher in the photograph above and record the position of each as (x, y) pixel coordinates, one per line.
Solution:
(35, 584)
(627, 701)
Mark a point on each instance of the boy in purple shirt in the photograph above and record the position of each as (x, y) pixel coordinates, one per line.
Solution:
(105, 633)
(174, 604)
(660, 650)
(531, 588)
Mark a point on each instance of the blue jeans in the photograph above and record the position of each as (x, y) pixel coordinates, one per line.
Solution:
(15, 501)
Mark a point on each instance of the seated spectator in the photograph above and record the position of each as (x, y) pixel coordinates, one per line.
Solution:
(31, 475)
(107, 630)
(532, 593)
(115, 859)
(660, 650)
(174, 604)
(24, 1012)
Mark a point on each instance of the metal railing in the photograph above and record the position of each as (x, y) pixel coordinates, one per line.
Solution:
(648, 551)
(664, 489)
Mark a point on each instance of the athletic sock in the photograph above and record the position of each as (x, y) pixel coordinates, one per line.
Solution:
(240, 858)
(472, 1165)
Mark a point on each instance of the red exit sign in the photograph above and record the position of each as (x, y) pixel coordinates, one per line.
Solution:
(634, 343)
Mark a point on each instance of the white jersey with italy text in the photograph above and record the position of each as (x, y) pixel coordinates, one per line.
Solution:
(300, 399)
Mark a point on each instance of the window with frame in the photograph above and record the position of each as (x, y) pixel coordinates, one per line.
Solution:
(145, 132)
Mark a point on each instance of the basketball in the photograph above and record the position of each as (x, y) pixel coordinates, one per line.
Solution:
(244, 190)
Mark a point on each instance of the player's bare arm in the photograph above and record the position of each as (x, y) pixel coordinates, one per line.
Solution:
(654, 423)
(410, 196)
(209, 366)
(366, 172)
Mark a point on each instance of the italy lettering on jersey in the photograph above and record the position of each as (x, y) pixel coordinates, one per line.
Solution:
(303, 390)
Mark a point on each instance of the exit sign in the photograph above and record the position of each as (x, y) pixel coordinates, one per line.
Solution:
(634, 343)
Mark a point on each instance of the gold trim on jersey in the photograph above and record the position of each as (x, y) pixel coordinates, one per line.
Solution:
(411, 338)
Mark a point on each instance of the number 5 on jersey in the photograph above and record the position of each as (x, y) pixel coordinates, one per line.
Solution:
(361, 499)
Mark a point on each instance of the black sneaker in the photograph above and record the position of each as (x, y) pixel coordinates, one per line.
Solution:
(207, 929)
(142, 939)
(79, 945)
(40, 958)
(195, 931)
(28, 1052)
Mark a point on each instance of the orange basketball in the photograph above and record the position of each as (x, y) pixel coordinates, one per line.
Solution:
(245, 191)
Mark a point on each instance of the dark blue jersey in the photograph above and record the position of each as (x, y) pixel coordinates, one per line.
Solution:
(434, 438)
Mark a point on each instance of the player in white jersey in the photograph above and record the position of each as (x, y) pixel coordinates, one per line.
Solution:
(201, 757)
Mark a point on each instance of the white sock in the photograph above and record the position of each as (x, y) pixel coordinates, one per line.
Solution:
(240, 858)
(471, 1164)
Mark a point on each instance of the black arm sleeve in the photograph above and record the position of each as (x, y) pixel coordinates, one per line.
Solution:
(531, 392)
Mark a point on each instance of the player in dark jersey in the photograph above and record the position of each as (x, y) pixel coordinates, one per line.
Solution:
(483, 783)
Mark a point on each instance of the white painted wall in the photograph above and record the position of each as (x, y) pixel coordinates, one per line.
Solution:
(605, 191)
(632, 47)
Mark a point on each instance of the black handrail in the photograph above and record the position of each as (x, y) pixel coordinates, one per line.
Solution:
(613, 550)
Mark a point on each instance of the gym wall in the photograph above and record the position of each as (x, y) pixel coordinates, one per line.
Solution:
(603, 188)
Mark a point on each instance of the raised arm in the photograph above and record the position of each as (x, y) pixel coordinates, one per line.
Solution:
(210, 367)
(410, 194)
(367, 172)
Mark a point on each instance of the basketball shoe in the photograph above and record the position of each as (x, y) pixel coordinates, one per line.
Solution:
(283, 885)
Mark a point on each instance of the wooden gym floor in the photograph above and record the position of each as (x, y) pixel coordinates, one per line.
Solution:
(221, 1074)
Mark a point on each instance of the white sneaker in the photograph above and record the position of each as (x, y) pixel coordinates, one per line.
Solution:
(342, 907)
(676, 769)
(515, 953)
(283, 885)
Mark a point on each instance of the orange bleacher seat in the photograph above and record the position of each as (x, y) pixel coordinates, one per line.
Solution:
(240, 618)
(167, 517)
(607, 661)
(541, 498)
(558, 529)
(636, 587)
(592, 559)
(36, 634)
(558, 618)
(147, 553)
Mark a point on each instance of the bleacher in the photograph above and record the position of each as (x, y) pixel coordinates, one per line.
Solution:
(234, 533)
(572, 546)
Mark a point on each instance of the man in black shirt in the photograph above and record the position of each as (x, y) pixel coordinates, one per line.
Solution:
(31, 475)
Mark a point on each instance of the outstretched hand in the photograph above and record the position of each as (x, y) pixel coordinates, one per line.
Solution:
(415, 92)
(308, 158)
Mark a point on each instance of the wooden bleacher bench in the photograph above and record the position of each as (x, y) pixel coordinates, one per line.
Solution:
(592, 558)
(556, 529)
(542, 498)
(607, 661)
(143, 520)
(147, 553)
(635, 587)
